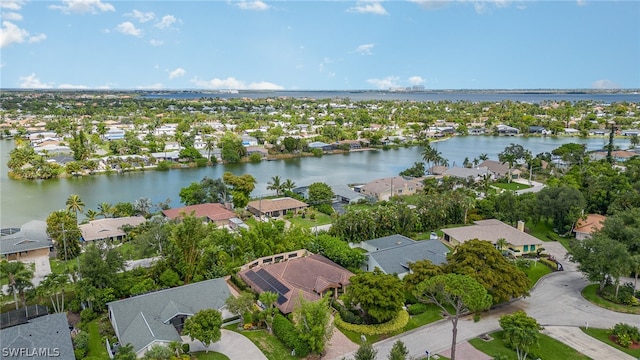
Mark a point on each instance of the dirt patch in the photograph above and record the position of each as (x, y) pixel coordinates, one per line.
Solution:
(73, 318)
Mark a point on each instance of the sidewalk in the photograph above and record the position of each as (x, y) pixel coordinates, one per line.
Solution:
(585, 344)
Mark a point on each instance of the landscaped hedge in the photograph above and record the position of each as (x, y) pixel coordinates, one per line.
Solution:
(390, 326)
(417, 309)
(286, 331)
(551, 264)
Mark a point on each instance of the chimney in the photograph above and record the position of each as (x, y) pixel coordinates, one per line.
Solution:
(521, 225)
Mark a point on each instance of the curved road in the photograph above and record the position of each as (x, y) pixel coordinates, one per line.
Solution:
(555, 301)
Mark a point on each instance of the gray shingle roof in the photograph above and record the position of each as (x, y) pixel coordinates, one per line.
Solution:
(48, 334)
(143, 319)
(394, 260)
(346, 192)
(32, 236)
(389, 241)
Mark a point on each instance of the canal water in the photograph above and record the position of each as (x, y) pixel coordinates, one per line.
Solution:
(23, 201)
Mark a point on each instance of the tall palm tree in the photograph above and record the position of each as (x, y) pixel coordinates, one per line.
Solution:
(18, 277)
(91, 214)
(483, 157)
(275, 184)
(53, 284)
(105, 209)
(268, 299)
(209, 145)
(75, 204)
(288, 185)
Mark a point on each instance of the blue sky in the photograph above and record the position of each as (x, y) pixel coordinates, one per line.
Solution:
(319, 45)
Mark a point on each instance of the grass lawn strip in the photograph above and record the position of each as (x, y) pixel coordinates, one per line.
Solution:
(211, 355)
(603, 335)
(513, 186)
(535, 271)
(549, 349)
(97, 347)
(320, 219)
(590, 293)
(269, 344)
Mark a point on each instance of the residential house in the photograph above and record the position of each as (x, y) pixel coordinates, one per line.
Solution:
(43, 337)
(210, 212)
(475, 174)
(320, 145)
(249, 141)
(26, 243)
(535, 129)
(617, 155)
(158, 317)
(385, 188)
(587, 226)
(109, 228)
(275, 207)
(518, 241)
(114, 134)
(507, 130)
(392, 254)
(346, 195)
(260, 150)
(295, 274)
(498, 169)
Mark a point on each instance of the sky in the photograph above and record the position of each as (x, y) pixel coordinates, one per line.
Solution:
(319, 45)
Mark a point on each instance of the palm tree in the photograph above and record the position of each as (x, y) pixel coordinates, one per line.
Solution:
(288, 185)
(105, 209)
(18, 277)
(54, 284)
(275, 184)
(75, 204)
(483, 157)
(501, 243)
(268, 299)
(209, 145)
(430, 154)
(91, 214)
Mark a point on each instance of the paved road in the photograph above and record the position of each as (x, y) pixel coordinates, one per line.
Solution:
(536, 186)
(232, 344)
(555, 301)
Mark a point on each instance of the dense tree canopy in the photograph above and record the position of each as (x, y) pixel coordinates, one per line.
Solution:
(378, 295)
(204, 326)
(521, 332)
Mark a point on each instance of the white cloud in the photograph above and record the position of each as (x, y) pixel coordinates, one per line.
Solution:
(605, 84)
(369, 7)
(37, 38)
(155, 42)
(32, 82)
(431, 4)
(252, 5)
(71, 86)
(11, 33)
(365, 49)
(386, 83)
(416, 80)
(234, 84)
(177, 73)
(166, 22)
(581, 2)
(128, 28)
(83, 6)
(142, 17)
(11, 4)
(12, 16)
(156, 86)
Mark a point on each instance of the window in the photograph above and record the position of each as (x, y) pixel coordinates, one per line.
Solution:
(532, 248)
(526, 248)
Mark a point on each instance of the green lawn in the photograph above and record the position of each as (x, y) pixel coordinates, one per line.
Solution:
(590, 293)
(535, 271)
(270, 345)
(97, 347)
(544, 231)
(513, 186)
(320, 219)
(549, 349)
(211, 355)
(603, 335)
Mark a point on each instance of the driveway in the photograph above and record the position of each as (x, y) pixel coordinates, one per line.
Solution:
(589, 346)
(536, 186)
(232, 344)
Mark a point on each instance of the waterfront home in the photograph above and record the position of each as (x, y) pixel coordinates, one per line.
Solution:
(38, 338)
(157, 318)
(498, 169)
(27, 243)
(209, 212)
(385, 188)
(111, 229)
(320, 145)
(346, 195)
(295, 274)
(518, 241)
(276, 207)
(585, 227)
(617, 155)
(507, 130)
(474, 174)
(393, 254)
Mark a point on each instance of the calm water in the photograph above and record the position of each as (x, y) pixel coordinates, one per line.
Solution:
(453, 96)
(26, 200)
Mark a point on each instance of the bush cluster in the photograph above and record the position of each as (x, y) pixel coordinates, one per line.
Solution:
(347, 315)
(286, 331)
(417, 309)
(625, 334)
(550, 263)
(390, 326)
(626, 294)
(239, 283)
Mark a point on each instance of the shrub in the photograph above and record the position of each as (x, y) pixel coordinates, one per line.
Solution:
(87, 315)
(255, 158)
(325, 209)
(81, 341)
(625, 294)
(390, 326)
(201, 162)
(550, 263)
(164, 165)
(185, 348)
(416, 309)
(346, 314)
(625, 334)
(239, 283)
(286, 331)
(79, 353)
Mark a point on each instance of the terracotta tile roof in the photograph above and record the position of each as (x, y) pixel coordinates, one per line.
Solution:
(279, 204)
(592, 223)
(212, 211)
(108, 228)
(308, 276)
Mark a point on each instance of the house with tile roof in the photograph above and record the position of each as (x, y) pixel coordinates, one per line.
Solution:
(158, 317)
(393, 254)
(210, 212)
(385, 188)
(585, 227)
(276, 207)
(40, 338)
(295, 274)
(518, 241)
(28, 242)
(109, 228)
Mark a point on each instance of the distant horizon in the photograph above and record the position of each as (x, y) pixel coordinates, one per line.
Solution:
(515, 90)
